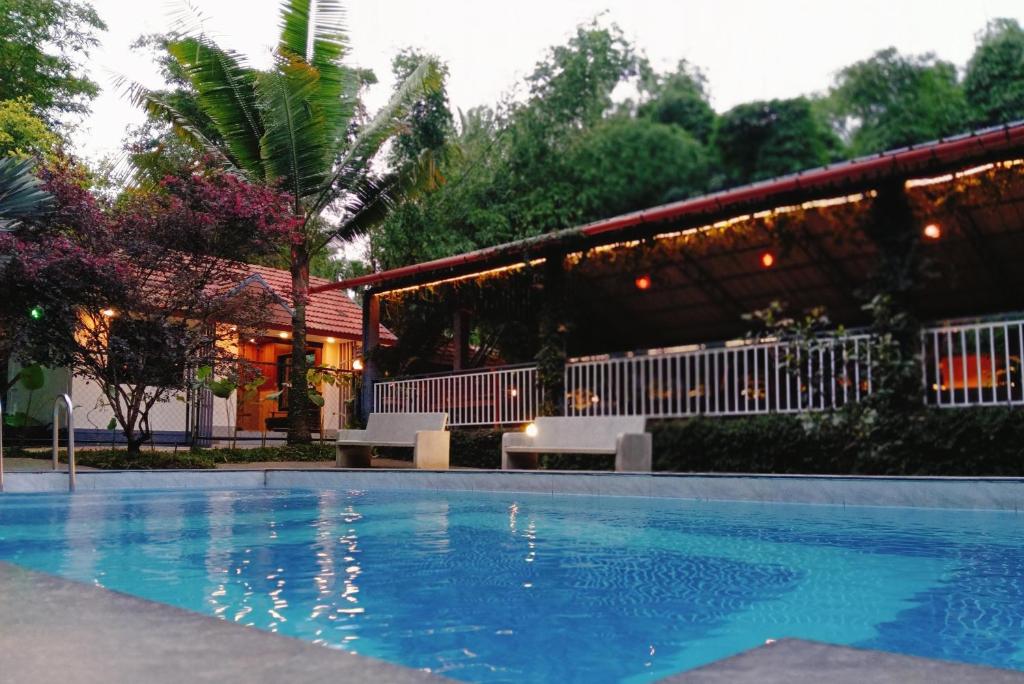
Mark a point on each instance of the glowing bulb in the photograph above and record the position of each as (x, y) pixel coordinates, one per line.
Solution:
(36, 312)
(252, 340)
(109, 313)
(767, 259)
(283, 335)
(331, 340)
(357, 364)
(531, 430)
(643, 282)
(932, 231)
(513, 392)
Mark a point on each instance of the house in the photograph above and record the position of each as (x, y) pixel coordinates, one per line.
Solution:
(334, 341)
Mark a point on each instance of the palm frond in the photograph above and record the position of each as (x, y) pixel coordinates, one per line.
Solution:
(426, 79)
(160, 109)
(226, 94)
(293, 146)
(314, 30)
(21, 193)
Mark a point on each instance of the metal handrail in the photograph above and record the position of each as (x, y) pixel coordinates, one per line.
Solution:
(69, 410)
(1, 446)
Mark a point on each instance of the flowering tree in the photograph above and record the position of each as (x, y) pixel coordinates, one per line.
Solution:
(137, 293)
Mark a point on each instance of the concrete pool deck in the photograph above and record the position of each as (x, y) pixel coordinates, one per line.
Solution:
(59, 631)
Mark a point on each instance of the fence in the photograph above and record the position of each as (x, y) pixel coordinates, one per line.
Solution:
(510, 394)
(974, 363)
(963, 364)
(725, 380)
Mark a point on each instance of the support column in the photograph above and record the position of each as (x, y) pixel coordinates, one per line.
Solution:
(554, 333)
(371, 341)
(460, 340)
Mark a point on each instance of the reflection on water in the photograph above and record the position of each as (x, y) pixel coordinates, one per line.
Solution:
(493, 587)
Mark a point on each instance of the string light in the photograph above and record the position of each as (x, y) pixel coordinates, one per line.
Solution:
(767, 260)
(109, 313)
(933, 231)
(643, 282)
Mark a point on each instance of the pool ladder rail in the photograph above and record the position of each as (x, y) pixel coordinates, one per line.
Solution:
(69, 409)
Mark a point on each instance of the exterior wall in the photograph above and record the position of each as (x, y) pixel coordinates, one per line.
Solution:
(40, 402)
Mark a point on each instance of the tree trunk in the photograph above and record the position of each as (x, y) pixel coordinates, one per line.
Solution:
(298, 397)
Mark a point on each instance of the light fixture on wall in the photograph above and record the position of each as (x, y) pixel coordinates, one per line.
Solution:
(283, 335)
(331, 340)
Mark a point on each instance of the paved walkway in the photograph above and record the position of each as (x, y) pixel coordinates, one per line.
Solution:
(54, 630)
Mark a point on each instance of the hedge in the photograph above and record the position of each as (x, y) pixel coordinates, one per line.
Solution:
(978, 441)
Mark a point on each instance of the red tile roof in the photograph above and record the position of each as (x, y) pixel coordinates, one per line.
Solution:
(330, 313)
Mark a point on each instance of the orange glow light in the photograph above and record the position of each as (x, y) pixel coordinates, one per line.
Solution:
(932, 231)
(767, 259)
(357, 364)
(283, 335)
(643, 282)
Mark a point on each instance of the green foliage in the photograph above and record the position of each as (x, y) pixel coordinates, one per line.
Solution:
(430, 122)
(760, 140)
(892, 100)
(42, 43)
(680, 98)
(983, 441)
(22, 133)
(624, 164)
(21, 194)
(994, 81)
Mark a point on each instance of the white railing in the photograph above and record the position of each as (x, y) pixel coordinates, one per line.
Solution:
(974, 363)
(500, 396)
(726, 380)
(963, 364)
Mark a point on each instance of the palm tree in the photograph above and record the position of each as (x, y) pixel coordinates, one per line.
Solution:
(21, 193)
(297, 126)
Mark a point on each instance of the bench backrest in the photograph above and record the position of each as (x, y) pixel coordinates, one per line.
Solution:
(401, 428)
(585, 432)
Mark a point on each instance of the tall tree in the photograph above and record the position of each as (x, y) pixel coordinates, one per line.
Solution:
(994, 81)
(292, 127)
(892, 100)
(42, 43)
(679, 98)
(760, 140)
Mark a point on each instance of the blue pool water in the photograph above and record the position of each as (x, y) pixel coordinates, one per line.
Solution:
(516, 587)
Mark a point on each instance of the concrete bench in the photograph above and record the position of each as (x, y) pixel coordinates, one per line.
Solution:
(623, 436)
(424, 433)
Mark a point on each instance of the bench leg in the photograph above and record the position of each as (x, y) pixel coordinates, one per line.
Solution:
(633, 453)
(353, 456)
(519, 461)
(432, 450)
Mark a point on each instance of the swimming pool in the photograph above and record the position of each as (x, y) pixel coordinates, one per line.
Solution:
(498, 587)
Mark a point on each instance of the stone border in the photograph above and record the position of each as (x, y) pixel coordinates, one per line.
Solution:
(987, 493)
(56, 630)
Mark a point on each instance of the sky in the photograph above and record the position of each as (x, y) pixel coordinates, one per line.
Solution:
(749, 49)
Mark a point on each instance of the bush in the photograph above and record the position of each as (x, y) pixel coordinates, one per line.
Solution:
(981, 441)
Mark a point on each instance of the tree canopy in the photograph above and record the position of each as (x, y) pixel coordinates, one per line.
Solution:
(892, 100)
(994, 81)
(42, 43)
